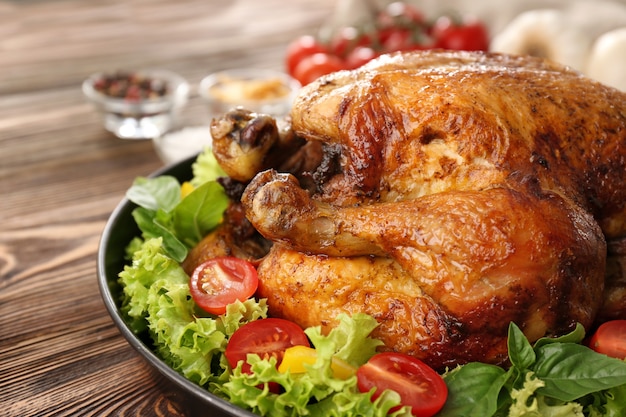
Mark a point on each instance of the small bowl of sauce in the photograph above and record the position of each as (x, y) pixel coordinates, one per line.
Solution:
(258, 90)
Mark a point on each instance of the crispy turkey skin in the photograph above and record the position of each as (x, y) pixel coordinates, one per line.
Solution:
(467, 190)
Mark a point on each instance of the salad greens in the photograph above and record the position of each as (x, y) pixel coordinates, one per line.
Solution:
(553, 377)
(180, 222)
(156, 300)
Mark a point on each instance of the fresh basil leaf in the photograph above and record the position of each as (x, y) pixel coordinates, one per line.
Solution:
(571, 371)
(575, 336)
(473, 390)
(199, 212)
(162, 192)
(521, 353)
(151, 228)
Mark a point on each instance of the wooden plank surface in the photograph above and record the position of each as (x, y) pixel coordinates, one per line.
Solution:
(61, 175)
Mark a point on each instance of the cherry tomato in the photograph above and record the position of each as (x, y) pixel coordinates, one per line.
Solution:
(398, 39)
(267, 338)
(314, 66)
(300, 48)
(347, 39)
(359, 56)
(399, 13)
(468, 35)
(394, 39)
(419, 386)
(221, 281)
(610, 339)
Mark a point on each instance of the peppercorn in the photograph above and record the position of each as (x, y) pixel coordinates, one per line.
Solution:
(131, 86)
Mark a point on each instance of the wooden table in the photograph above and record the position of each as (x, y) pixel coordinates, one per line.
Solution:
(61, 175)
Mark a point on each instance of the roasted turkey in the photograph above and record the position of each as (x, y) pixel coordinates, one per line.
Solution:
(446, 194)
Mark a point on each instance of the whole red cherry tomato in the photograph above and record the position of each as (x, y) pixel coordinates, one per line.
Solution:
(266, 338)
(467, 35)
(221, 281)
(610, 339)
(419, 386)
(395, 39)
(347, 39)
(314, 66)
(300, 48)
(400, 14)
(359, 56)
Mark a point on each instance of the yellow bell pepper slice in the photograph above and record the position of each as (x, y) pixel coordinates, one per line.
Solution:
(185, 189)
(296, 357)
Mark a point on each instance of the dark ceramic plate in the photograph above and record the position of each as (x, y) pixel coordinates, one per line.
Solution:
(190, 398)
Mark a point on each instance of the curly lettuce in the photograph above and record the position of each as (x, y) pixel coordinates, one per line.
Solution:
(316, 392)
(156, 300)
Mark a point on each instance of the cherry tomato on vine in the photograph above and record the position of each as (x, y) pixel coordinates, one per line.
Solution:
(419, 386)
(347, 39)
(265, 337)
(468, 35)
(610, 339)
(300, 48)
(221, 281)
(359, 56)
(399, 13)
(394, 39)
(312, 67)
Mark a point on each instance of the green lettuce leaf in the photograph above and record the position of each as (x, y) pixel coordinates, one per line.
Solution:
(348, 341)
(527, 403)
(156, 299)
(149, 263)
(315, 392)
(608, 403)
(206, 168)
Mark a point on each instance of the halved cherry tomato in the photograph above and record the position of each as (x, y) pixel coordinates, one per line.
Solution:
(467, 35)
(300, 48)
(610, 339)
(267, 338)
(314, 66)
(296, 357)
(221, 281)
(419, 386)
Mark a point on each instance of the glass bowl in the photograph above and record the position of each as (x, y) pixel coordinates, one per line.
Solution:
(258, 90)
(137, 105)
